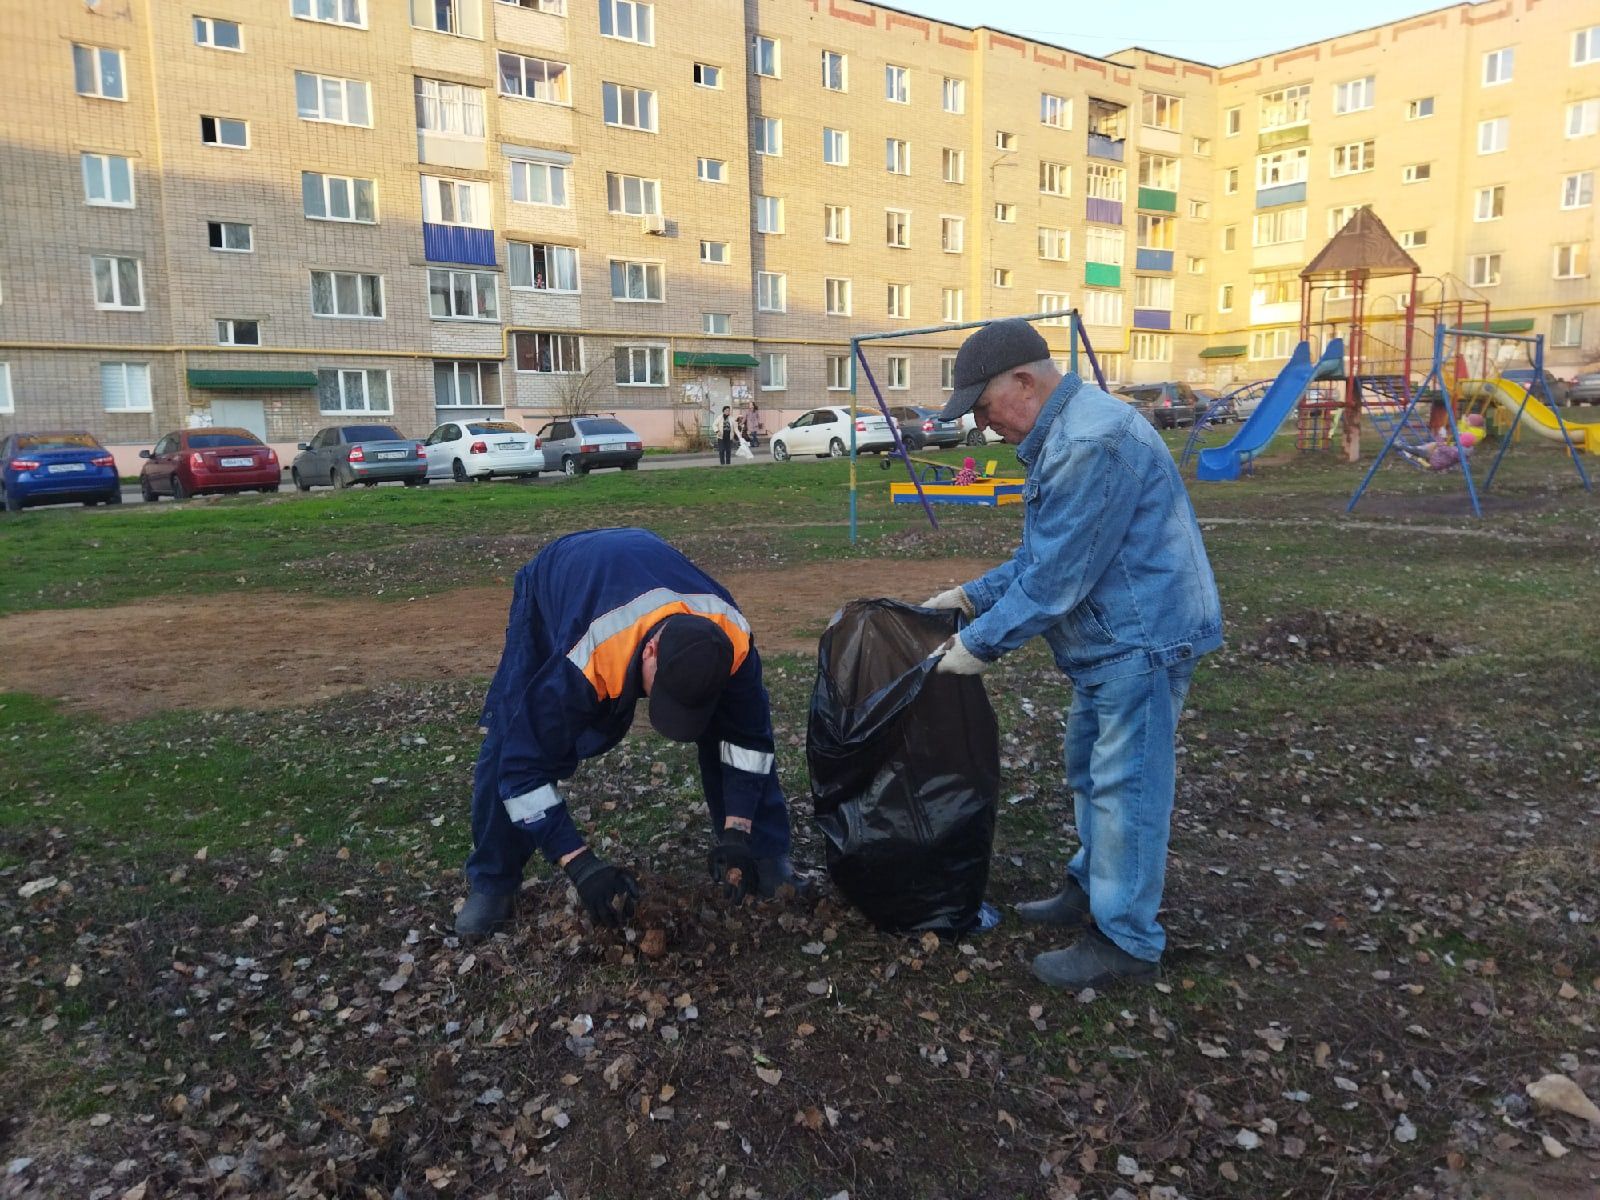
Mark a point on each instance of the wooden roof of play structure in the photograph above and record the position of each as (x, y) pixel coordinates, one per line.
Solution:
(1363, 247)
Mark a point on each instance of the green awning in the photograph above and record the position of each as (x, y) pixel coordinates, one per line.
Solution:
(251, 381)
(682, 358)
(1508, 325)
(1224, 351)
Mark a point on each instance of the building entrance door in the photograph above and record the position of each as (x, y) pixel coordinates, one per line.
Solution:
(241, 414)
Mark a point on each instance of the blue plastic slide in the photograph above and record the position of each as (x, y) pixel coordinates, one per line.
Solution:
(1227, 461)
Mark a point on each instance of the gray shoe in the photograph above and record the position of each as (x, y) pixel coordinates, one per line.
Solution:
(484, 914)
(1070, 909)
(1093, 961)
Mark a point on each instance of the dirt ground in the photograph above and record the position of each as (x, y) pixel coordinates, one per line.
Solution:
(269, 650)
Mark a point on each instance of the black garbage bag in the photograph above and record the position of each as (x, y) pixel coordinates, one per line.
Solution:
(905, 769)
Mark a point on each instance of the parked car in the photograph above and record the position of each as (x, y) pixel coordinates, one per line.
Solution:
(970, 434)
(825, 432)
(191, 462)
(1204, 398)
(1165, 405)
(342, 455)
(55, 468)
(463, 450)
(921, 427)
(1524, 376)
(1585, 388)
(577, 445)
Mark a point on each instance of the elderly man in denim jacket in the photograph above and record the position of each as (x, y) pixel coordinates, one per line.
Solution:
(1113, 574)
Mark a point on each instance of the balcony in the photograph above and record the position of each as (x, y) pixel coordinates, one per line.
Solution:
(1110, 148)
(1107, 212)
(1283, 193)
(457, 244)
(1152, 260)
(1102, 275)
(1152, 318)
(1284, 135)
(1158, 200)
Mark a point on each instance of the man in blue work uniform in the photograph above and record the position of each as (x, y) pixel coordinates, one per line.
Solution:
(598, 620)
(1113, 573)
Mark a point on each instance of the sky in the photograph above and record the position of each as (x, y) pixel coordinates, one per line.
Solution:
(1209, 31)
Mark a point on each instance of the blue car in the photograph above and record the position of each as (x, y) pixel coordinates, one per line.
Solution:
(52, 468)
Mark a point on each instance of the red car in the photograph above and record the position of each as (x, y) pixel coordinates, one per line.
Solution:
(192, 461)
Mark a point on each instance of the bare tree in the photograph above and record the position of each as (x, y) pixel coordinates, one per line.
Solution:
(575, 393)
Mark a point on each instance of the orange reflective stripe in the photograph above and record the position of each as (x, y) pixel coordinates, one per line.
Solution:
(607, 649)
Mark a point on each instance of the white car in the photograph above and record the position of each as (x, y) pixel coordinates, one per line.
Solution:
(479, 449)
(825, 432)
(970, 434)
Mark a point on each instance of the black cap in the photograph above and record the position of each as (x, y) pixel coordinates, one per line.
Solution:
(996, 348)
(694, 660)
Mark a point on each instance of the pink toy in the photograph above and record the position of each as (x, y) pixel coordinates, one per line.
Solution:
(1469, 439)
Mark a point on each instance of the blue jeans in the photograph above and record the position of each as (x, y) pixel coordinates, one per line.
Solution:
(1121, 762)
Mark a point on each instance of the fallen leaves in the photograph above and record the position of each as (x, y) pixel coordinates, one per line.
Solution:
(1563, 1095)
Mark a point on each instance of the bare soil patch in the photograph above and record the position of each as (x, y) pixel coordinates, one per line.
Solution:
(268, 649)
(1342, 638)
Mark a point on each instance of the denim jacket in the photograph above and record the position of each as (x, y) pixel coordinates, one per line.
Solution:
(1111, 569)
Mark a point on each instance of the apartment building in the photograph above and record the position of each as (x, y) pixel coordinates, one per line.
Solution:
(277, 213)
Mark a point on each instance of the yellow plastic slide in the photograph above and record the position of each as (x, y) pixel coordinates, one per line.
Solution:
(1508, 397)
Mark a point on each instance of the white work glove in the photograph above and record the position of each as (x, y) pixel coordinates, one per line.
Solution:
(955, 659)
(955, 598)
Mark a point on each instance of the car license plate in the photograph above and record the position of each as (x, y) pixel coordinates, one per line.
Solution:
(63, 468)
(238, 462)
(392, 453)
(509, 445)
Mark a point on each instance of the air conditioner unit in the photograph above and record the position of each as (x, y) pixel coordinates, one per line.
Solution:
(654, 223)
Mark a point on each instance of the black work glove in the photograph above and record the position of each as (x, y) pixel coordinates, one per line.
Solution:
(732, 865)
(607, 892)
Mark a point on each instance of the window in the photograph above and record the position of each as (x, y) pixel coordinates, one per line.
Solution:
(1419, 109)
(1411, 239)
(7, 402)
(542, 267)
(1566, 329)
(896, 156)
(836, 222)
(556, 8)
(947, 373)
(538, 183)
(1493, 135)
(899, 300)
(108, 180)
(338, 198)
(1572, 261)
(1586, 46)
(235, 236)
(1577, 191)
(1052, 302)
(1199, 209)
(772, 291)
(1490, 204)
(1284, 107)
(1054, 244)
(1151, 347)
(353, 392)
(124, 386)
(1006, 214)
(1152, 291)
(332, 12)
(1339, 216)
(1158, 171)
(1162, 112)
(1004, 140)
(1275, 287)
(836, 297)
(628, 107)
(632, 196)
(1232, 121)
(951, 304)
(539, 79)
(463, 18)
(896, 84)
(1230, 237)
(1356, 95)
(773, 373)
(548, 353)
(838, 372)
(1583, 118)
(714, 252)
(1102, 307)
(715, 323)
(327, 98)
(462, 295)
(955, 166)
(233, 331)
(1159, 233)
(224, 131)
(1195, 266)
(1416, 173)
(952, 234)
(118, 281)
(1201, 147)
(1275, 228)
(707, 76)
(1225, 298)
(764, 56)
(1055, 111)
(1497, 66)
(769, 214)
(1055, 179)
(1270, 343)
(1353, 158)
(1102, 182)
(836, 147)
(346, 294)
(1285, 166)
(1001, 277)
(1104, 245)
(833, 71)
(98, 72)
(466, 385)
(217, 34)
(641, 366)
(897, 228)
(636, 282)
(769, 136)
(1483, 270)
(449, 109)
(712, 170)
(628, 21)
(1230, 181)
(953, 95)
(455, 202)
